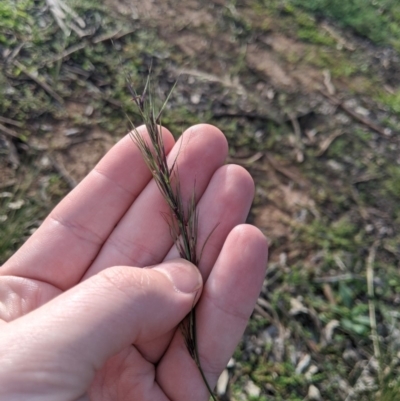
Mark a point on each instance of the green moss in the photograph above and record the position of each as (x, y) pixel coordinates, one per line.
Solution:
(314, 36)
(233, 21)
(335, 61)
(16, 18)
(16, 223)
(390, 100)
(309, 31)
(377, 20)
(392, 183)
(337, 235)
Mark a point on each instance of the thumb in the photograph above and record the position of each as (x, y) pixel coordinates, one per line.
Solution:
(83, 327)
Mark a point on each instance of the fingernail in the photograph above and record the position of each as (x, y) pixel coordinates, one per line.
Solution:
(184, 276)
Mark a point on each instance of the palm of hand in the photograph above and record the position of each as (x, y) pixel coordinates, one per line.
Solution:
(114, 218)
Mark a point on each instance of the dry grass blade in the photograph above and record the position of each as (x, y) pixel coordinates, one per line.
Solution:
(183, 219)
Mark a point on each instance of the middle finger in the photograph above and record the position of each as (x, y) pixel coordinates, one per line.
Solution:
(224, 205)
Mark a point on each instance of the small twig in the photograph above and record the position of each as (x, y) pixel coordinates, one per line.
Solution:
(366, 178)
(66, 17)
(276, 165)
(264, 304)
(364, 213)
(335, 279)
(11, 122)
(328, 82)
(58, 166)
(39, 81)
(79, 46)
(362, 119)
(15, 52)
(226, 81)
(12, 154)
(342, 42)
(297, 135)
(9, 183)
(65, 53)
(106, 36)
(371, 303)
(8, 131)
(339, 262)
(118, 34)
(77, 141)
(248, 161)
(250, 116)
(327, 290)
(326, 143)
(262, 313)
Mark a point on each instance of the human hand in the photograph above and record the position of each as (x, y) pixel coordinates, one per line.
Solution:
(81, 319)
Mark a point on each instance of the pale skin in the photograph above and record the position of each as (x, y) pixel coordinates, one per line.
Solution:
(80, 316)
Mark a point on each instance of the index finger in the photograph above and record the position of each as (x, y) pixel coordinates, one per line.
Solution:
(66, 243)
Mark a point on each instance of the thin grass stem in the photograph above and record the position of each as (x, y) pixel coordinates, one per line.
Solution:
(183, 220)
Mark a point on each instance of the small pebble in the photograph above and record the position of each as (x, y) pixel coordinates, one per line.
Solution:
(89, 110)
(303, 363)
(231, 363)
(252, 389)
(222, 383)
(313, 393)
(16, 205)
(195, 98)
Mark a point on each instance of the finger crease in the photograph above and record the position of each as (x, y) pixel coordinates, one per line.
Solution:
(226, 310)
(115, 183)
(138, 254)
(78, 230)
